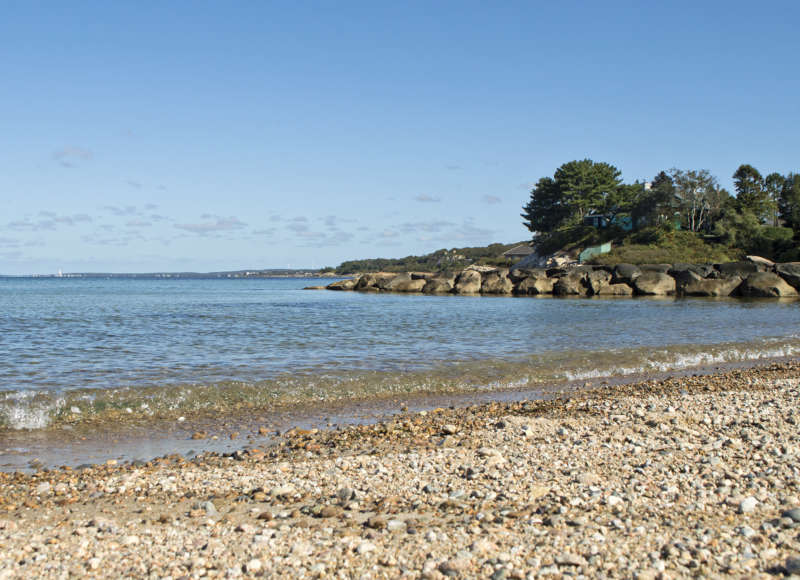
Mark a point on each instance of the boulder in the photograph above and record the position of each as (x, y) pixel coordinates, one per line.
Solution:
(572, 283)
(769, 264)
(439, 285)
(614, 290)
(373, 281)
(496, 283)
(684, 277)
(517, 275)
(765, 285)
(405, 283)
(742, 269)
(702, 270)
(342, 285)
(711, 286)
(654, 284)
(421, 275)
(790, 272)
(535, 285)
(661, 268)
(597, 279)
(625, 273)
(468, 282)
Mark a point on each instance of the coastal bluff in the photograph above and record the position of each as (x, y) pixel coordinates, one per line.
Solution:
(753, 278)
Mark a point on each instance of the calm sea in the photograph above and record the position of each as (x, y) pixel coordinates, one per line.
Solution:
(79, 347)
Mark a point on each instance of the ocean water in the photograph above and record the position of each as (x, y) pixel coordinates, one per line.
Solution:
(73, 348)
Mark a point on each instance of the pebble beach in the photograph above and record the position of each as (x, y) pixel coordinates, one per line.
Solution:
(694, 476)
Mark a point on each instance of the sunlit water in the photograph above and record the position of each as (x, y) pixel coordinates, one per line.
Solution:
(78, 347)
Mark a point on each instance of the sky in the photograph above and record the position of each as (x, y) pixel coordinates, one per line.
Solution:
(204, 136)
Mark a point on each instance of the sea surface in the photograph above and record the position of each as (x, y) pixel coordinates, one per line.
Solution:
(74, 349)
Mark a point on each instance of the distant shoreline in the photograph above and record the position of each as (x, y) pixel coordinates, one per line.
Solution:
(182, 275)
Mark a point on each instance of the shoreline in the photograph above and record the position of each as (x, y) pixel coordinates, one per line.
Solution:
(140, 439)
(688, 475)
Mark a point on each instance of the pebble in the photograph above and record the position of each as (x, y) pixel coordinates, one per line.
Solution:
(748, 505)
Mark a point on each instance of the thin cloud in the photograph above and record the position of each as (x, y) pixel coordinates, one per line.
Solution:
(128, 210)
(51, 221)
(70, 156)
(492, 199)
(138, 224)
(216, 224)
(133, 183)
(425, 198)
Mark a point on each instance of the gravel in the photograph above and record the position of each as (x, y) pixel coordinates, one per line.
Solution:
(691, 476)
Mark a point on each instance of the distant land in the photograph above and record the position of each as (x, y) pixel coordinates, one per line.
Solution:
(268, 273)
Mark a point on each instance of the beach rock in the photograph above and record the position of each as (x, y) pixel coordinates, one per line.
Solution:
(496, 283)
(438, 285)
(701, 270)
(517, 274)
(742, 269)
(342, 285)
(790, 272)
(793, 514)
(654, 284)
(620, 289)
(660, 268)
(765, 285)
(535, 285)
(373, 281)
(768, 264)
(405, 283)
(792, 565)
(597, 279)
(468, 282)
(625, 274)
(711, 287)
(748, 505)
(573, 283)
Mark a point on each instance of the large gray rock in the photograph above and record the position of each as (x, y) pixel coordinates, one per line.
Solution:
(702, 270)
(765, 285)
(742, 269)
(625, 273)
(368, 282)
(496, 283)
(614, 290)
(685, 277)
(790, 271)
(535, 285)
(517, 275)
(573, 283)
(468, 282)
(661, 268)
(711, 287)
(654, 284)
(597, 279)
(342, 285)
(405, 283)
(439, 285)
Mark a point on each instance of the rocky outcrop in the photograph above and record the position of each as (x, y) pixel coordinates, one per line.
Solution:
(714, 287)
(497, 283)
(654, 284)
(468, 282)
(790, 272)
(752, 278)
(765, 285)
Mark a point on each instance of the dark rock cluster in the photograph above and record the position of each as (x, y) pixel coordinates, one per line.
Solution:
(754, 279)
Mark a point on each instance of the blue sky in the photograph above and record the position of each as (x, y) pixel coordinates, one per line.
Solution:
(152, 136)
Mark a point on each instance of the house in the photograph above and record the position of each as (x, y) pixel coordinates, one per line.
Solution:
(517, 252)
(600, 221)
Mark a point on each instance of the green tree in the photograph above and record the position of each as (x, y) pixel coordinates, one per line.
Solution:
(789, 203)
(576, 189)
(699, 197)
(773, 185)
(655, 205)
(751, 193)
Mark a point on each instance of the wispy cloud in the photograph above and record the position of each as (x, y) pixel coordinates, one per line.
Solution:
(214, 225)
(128, 210)
(492, 199)
(133, 183)
(50, 221)
(70, 156)
(425, 198)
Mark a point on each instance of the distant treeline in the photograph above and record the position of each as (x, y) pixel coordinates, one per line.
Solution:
(438, 261)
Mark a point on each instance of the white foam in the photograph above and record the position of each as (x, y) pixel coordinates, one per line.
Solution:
(22, 411)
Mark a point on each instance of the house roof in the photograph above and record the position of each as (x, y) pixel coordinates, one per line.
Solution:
(521, 250)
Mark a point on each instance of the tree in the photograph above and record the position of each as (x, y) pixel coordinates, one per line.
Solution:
(773, 185)
(751, 194)
(576, 189)
(655, 205)
(789, 203)
(699, 197)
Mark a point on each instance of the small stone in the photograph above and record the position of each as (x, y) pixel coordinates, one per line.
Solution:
(793, 514)
(345, 494)
(748, 505)
(365, 548)
(330, 511)
(43, 488)
(130, 540)
(199, 435)
(209, 508)
(613, 500)
(449, 429)
(94, 563)
(253, 566)
(793, 565)
(376, 522)
(567, 559)
(396, 525)
(302, 549)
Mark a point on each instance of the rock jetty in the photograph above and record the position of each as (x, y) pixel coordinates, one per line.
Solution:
(756, 278)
